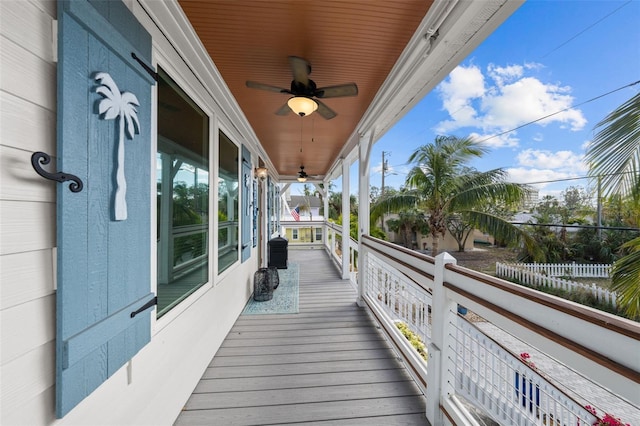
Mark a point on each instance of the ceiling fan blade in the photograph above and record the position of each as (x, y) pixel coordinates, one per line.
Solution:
(283, 110)
(300, 69)
(326, 112)
(267, 87)
(349, 89)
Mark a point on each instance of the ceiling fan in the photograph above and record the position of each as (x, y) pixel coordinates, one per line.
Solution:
(305, 93)
(302, 175)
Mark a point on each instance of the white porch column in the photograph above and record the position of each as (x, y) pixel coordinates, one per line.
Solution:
(364, 155)
(263, 217)
(346, 209)
(443, 316)
(325, 199)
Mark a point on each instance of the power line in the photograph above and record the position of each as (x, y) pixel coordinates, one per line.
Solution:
(610, 228)
(575, 178)
(585, 30)
(558, 112)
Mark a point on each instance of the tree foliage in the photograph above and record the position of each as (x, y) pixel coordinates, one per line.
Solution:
(614, 158)
(443, 186)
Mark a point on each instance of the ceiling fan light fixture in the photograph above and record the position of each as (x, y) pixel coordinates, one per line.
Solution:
(302, 179)
(302, 105)
(261, 173)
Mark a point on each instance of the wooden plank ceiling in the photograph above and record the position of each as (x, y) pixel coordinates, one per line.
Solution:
(345, 41)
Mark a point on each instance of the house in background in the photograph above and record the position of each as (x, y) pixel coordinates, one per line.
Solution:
(309, 206)
(133, 211)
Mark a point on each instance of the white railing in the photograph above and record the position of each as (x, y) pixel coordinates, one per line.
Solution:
(536, 279)
(193, 241)
(401, 298)
(466, 364)
(503, 386)
(574, 270)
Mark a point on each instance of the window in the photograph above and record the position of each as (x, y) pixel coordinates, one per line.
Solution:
(228, 179)
(294, 234)
(182, 180)
(318, 234)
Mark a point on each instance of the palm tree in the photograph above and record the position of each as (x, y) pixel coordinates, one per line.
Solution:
(614, 157)
(121, 105)
(407, 224)
(443, 186)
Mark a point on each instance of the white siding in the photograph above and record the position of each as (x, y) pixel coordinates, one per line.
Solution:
(153, 387)
(27, 212)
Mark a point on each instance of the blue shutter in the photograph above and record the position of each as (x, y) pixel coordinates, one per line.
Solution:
(255, 213)
(246, 203)
(103, 264)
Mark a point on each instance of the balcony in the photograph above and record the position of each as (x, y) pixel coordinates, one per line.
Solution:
(342, 359)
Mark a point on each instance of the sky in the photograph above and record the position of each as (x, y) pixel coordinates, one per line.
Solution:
(551, 58)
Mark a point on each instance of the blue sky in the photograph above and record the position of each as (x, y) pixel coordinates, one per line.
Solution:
(547, 57)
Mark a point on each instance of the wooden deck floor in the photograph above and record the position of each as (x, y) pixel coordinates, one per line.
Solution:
(327, 364)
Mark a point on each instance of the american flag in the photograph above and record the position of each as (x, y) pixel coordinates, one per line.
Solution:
(296, 213)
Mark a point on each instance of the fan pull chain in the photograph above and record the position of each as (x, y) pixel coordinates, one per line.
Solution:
(300, 135)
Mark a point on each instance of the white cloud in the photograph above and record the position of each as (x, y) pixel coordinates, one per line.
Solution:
(496, 141)
(513, 100)
(531, 175)
(376, 169)
(558, 160)
(458, 92)
(503, 74)
(545, 177)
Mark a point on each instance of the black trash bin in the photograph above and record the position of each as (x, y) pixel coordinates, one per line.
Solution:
(278, 252)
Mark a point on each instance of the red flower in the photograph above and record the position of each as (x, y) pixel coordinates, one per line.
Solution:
(607, 420)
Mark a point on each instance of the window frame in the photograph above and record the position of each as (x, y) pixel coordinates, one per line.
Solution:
(170, 62)
(158, 140)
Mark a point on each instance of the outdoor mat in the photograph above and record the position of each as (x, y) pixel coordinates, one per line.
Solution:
(285, 297)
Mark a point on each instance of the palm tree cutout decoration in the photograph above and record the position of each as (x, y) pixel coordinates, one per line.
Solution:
(120, 105)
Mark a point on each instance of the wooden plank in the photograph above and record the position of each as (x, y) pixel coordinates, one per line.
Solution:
(28, 127)
(297, 358)
(26, 377)
(37, 327)
(294, 326)
(302, 318)
(402, 419)
(27, 25)
(301, 381)
(268, 334)
(303, 340)
(303, 368)
(26, 276)
(18, 180)
(301, 348)
(27, 226)
(27, 76)
(322, 411)
(340, 392)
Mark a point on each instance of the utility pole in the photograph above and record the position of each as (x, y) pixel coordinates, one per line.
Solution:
(384, 170)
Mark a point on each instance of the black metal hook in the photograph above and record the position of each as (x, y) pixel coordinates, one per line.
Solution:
(144, 307)
(146, 67)
(43, 158)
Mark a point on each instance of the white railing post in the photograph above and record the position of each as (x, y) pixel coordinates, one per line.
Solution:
(443, 316)
(346, 213)
(362, 273)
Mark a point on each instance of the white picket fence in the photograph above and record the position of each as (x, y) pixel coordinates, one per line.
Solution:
(520, 273)
(574, 270)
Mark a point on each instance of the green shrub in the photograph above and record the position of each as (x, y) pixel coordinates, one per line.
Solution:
(581, 295)
(413, 338)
